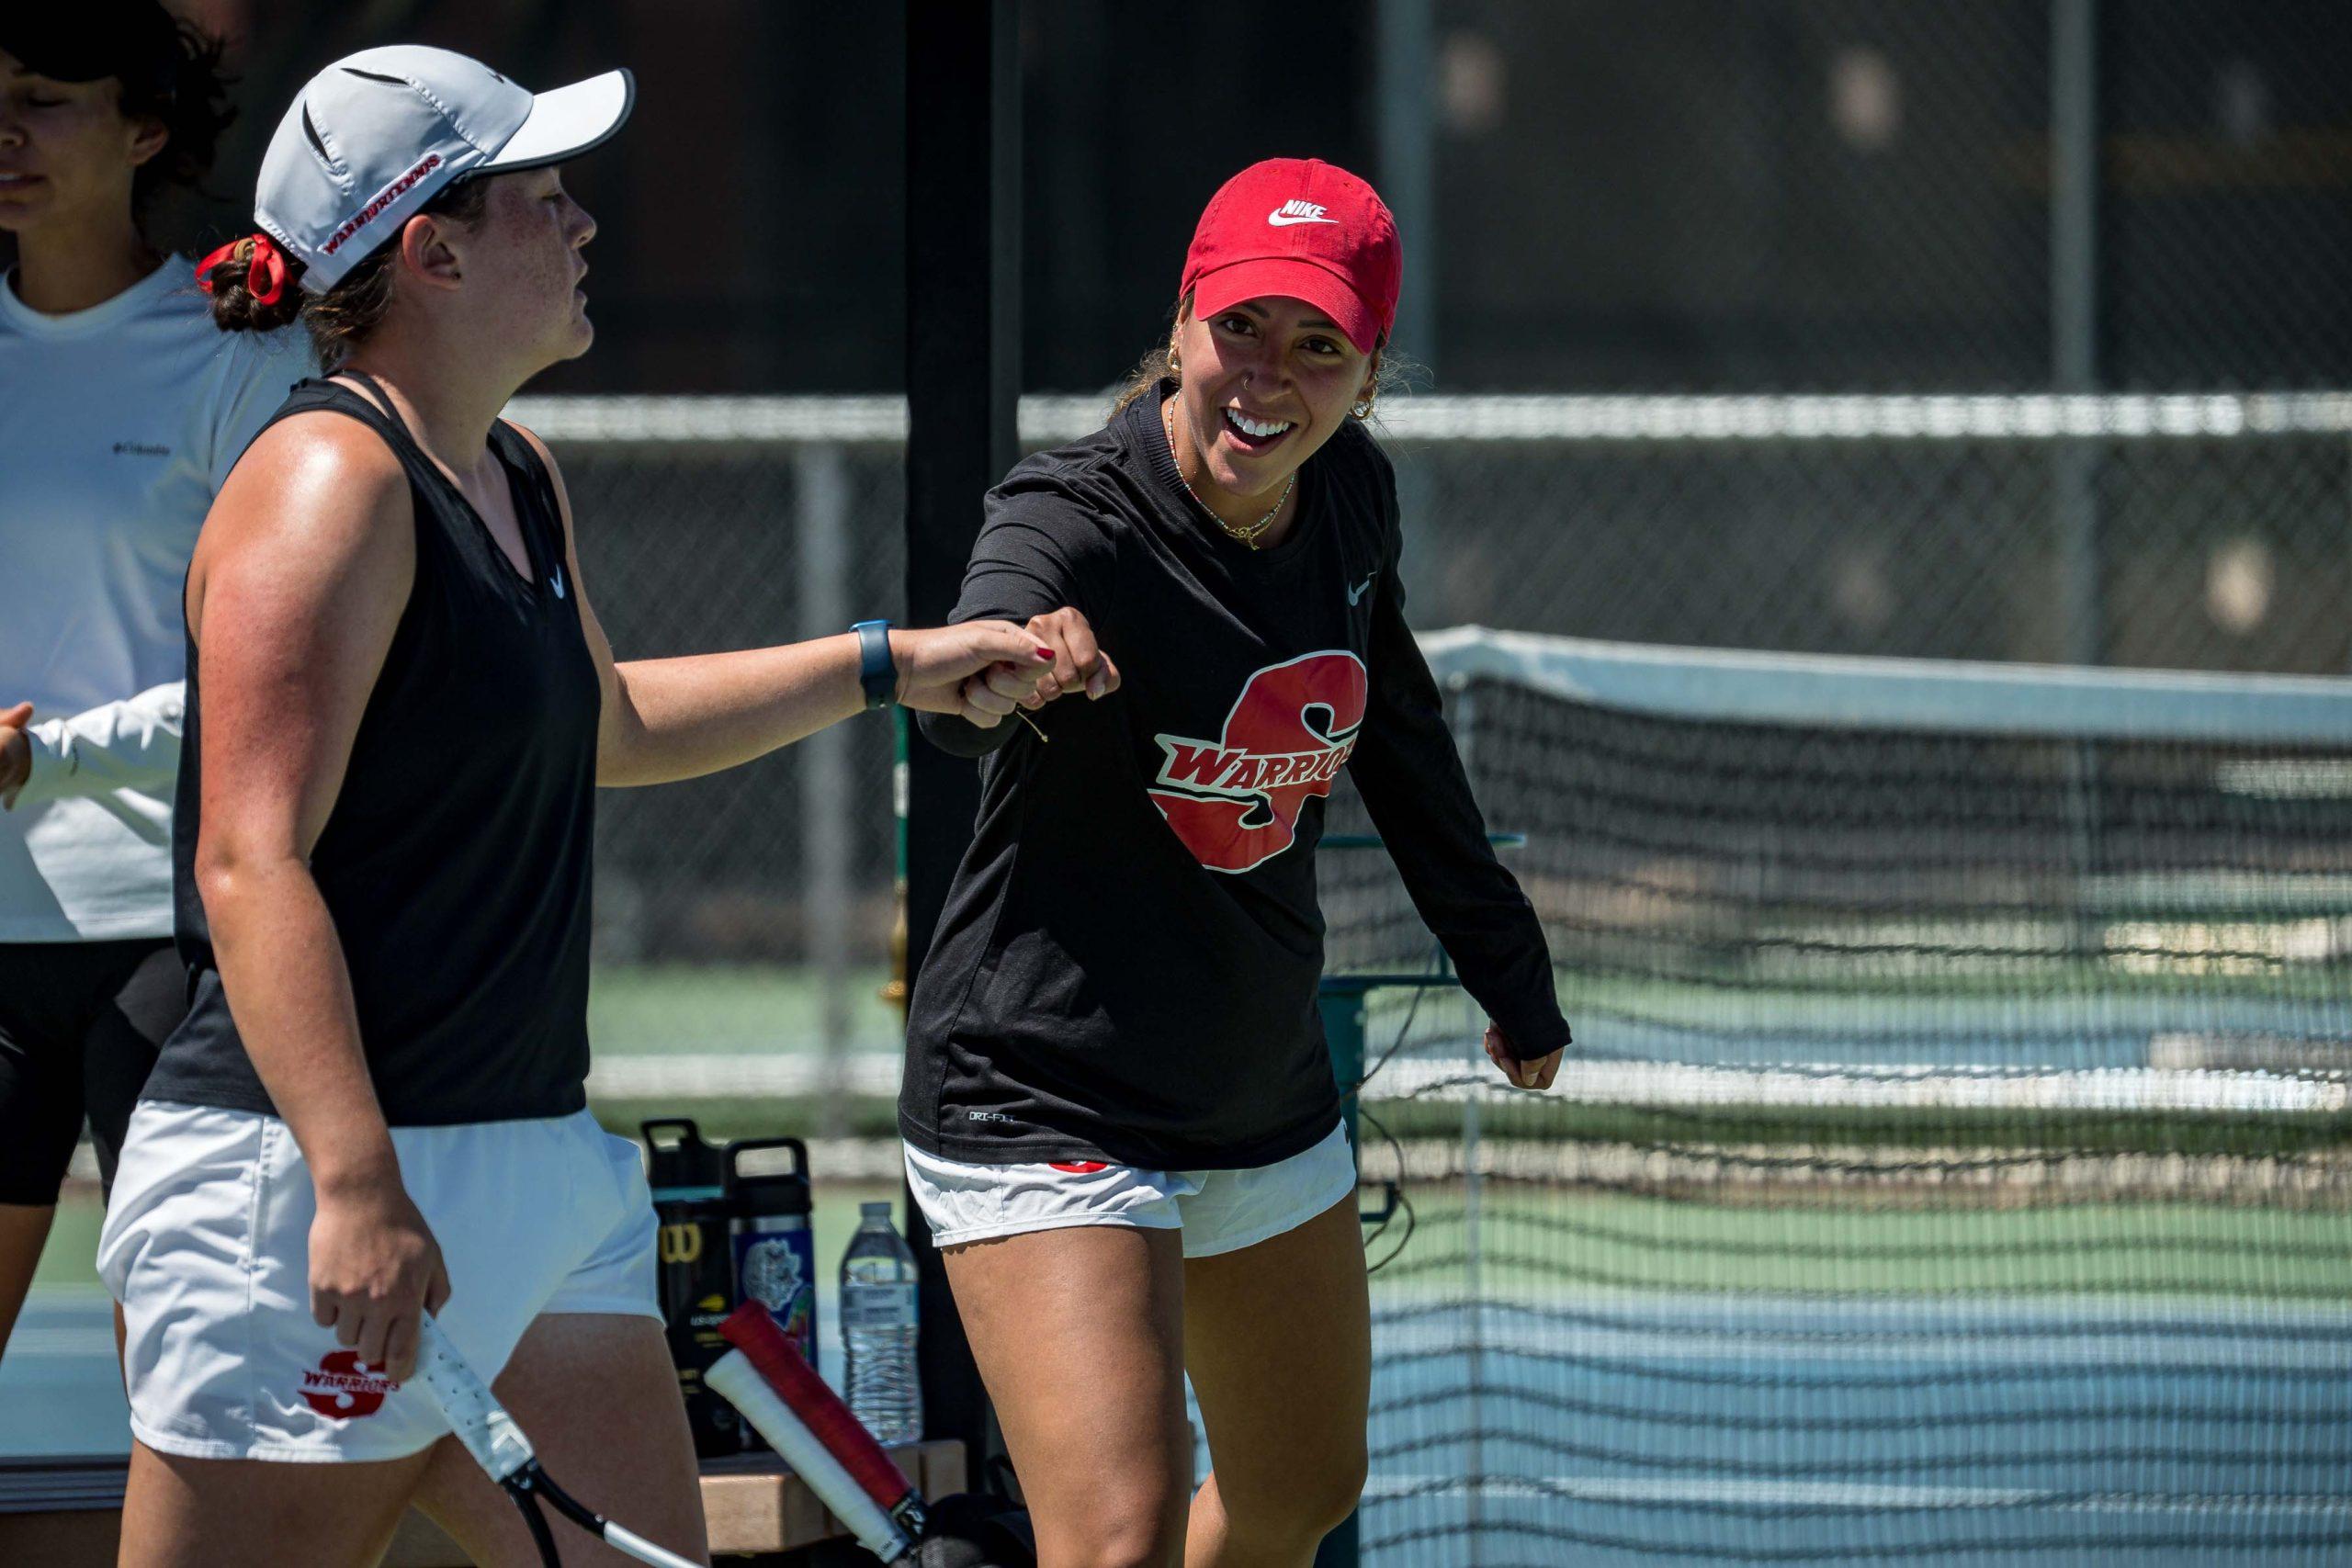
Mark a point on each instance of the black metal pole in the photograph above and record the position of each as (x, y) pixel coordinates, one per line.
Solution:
(963, 400)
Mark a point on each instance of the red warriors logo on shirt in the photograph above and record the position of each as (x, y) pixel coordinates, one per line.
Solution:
(1235, 801)
(339, 1385)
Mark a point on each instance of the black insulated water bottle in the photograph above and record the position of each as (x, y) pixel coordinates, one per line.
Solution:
(775, 1253)
(696, 1270)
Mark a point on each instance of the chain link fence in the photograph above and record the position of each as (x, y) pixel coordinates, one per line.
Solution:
(747, 913)
(1848, 196)
(2195, 533)
(2225, 210)
(750, 911)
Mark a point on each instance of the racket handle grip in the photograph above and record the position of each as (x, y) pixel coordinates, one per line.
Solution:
(780, 1365)
(474, 1414)
(735, 1380)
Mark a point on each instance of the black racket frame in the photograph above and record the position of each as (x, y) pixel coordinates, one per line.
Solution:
(531, 1482)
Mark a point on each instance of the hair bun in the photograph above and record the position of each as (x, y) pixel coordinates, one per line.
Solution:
(226, 275)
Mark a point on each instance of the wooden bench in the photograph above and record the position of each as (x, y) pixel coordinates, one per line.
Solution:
(67, 1512)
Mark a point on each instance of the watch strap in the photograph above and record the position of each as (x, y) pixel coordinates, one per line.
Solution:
(878, 672)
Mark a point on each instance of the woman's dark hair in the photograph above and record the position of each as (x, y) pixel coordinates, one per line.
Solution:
(1153, 367)
(190, 96)
(355, 307)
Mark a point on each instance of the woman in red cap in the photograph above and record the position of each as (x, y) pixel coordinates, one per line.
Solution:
(1119, 1115)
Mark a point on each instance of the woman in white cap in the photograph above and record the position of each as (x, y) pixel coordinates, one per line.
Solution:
(121, 411)
(398, 705)
(1119, 1112)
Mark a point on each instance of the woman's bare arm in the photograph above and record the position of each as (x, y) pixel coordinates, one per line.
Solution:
(299, 580)
(679, 718)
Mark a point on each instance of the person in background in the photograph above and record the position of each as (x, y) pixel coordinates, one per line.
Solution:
(121, 410)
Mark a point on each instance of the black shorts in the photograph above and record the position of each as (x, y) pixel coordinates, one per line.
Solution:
(80, 1023)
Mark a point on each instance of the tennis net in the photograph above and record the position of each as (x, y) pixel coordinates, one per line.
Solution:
(1954, 1161)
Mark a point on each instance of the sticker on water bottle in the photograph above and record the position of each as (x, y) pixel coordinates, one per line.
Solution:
(778, 1269)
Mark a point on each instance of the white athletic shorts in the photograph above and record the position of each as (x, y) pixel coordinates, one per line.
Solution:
(1219, 1210)
(208, 1245)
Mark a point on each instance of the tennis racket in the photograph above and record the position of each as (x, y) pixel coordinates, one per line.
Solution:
(768, 1380)
(498, 1445)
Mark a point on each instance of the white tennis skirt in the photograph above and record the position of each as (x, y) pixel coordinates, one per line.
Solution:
(208, 1248)
(1219, 1210)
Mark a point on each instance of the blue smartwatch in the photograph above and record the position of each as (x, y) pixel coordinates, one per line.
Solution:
(877, 673)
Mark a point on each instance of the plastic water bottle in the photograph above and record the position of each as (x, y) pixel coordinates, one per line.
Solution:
(878, 1307)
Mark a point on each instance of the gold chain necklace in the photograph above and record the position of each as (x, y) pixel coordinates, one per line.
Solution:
(1247, 536)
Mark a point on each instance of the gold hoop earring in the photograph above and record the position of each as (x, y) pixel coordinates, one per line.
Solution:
(1363, 406)
(1173, 367)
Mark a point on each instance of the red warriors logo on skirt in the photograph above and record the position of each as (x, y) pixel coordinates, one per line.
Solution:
(1235, 801)
(339, 1385)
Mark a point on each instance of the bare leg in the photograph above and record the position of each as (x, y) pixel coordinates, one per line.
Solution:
(1278, 1338)
(598, 1398)
(23, 1230)
(1079, 1335)
(243, 1513)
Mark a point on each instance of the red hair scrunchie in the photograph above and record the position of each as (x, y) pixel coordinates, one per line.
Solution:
(265, 272)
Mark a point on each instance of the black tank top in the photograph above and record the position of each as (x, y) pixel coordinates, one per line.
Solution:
(456, 860)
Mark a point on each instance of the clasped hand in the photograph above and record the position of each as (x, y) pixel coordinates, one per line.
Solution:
(1078, 665)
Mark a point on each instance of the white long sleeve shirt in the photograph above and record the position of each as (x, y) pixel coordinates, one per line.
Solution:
(117, 425)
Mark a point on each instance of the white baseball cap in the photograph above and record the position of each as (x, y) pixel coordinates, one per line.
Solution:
(375, 136)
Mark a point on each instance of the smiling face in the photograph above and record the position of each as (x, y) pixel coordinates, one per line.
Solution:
(1266, 382)
(67, 152)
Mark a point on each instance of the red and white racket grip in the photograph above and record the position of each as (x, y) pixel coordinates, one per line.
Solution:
(766, 1378)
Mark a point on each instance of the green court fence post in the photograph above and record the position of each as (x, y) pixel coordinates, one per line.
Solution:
(1340, 999)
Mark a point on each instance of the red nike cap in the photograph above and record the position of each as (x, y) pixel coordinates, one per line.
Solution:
(1304, 230)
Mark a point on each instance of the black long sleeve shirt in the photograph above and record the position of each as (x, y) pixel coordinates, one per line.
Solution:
(1126, 969)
